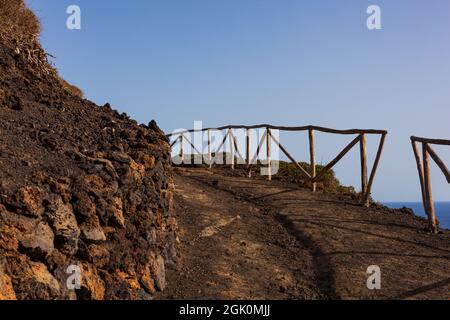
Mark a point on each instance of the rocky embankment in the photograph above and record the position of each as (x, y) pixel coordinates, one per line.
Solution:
(81, 186)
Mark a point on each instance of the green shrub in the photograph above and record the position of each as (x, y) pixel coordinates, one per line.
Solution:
(289, 172)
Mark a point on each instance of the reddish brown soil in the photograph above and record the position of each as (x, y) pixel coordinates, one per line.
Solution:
(255, 239)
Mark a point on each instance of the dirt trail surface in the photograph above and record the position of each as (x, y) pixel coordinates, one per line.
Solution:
(255, 239)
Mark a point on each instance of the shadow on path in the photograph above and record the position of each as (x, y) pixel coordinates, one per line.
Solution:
(424, 289)
(324, 274)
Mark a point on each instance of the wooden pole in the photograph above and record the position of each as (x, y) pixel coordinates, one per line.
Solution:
(420, 170)
(337, 159)
(175, 142)
(374, 170)
(269, 162)
(303, 128)
(431, 141)
(428, 192)
(222, 144)
(312, 157)
(236, 146)
(363, 152)
(231, 148)
(192, 145)
(210, 150)
(181, 148)
(254, 160)
(247, 152)
(258, 148)
(291, 157)
(439, 163)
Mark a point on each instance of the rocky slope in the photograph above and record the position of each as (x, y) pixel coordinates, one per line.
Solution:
(80, 185)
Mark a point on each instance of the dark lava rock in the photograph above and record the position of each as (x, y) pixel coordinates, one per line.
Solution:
(80, 185)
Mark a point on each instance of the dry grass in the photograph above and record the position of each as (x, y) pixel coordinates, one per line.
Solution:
(20, 29)
(71, 88)
(17, 21)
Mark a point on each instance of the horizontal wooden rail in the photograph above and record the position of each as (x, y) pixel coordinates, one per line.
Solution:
(423, 167)
(268, 138)
(441, 142)
(283, 128)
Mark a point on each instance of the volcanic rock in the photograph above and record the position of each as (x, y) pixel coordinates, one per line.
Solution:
(80, 185)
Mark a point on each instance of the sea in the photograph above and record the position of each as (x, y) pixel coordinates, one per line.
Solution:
(442, 210)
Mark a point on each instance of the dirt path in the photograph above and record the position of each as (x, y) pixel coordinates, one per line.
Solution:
(255, 239)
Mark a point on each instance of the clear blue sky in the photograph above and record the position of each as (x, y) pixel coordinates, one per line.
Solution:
(286, 62)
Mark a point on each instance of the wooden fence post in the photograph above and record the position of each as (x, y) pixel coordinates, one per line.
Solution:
(269, 163)
(247, 151)
(231, 148)
(428, 190)
(248, 160)
(374, 170)
(312, 157)
(363, 152)
(210, 150)
(181, 148)
(420, 170)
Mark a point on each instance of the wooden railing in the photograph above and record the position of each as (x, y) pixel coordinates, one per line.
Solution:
(312, 176)
(423, 166)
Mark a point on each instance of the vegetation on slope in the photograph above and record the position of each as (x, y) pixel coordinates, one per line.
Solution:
(20, 29)
(287, 171)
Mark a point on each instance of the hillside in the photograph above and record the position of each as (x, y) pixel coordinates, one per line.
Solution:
(80, 185)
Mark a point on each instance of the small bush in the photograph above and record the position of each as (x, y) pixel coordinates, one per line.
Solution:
(290, 172)
(287, 171)
(74, 90)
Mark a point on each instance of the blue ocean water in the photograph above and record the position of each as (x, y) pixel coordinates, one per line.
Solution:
(442, 210)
